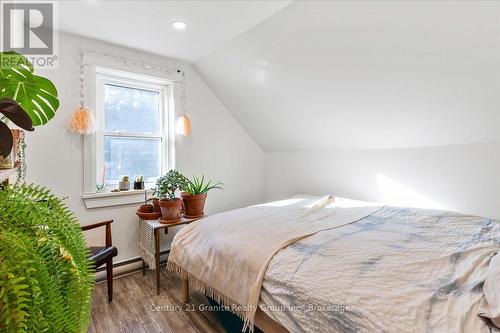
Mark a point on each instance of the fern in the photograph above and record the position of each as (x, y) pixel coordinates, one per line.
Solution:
(46, 279)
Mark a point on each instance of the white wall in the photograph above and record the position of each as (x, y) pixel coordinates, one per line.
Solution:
(218, 147)
(463, 178)
(393, 101)
(364, 75)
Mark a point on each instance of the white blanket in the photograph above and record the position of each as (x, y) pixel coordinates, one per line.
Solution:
(401, 270)
(227, 255)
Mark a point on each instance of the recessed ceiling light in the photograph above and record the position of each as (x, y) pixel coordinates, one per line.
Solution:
(179, 25)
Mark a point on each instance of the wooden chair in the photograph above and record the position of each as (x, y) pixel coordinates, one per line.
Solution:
(104, 254)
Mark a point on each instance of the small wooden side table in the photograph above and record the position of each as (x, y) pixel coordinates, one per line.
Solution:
(157, 227)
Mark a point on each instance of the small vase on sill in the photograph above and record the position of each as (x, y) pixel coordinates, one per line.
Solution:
(139, 183)
(101, 188)
(124, 184)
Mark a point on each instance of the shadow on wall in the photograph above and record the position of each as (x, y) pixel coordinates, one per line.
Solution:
(396, 194)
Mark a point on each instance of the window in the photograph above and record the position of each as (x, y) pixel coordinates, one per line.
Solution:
(132, 111)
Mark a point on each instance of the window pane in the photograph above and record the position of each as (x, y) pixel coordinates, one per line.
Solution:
(131, 157)
(131, 110)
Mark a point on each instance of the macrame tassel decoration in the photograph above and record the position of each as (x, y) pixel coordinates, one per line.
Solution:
(183, 124)
(82, 121)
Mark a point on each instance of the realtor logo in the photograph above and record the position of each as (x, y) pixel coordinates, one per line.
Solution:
(28, 28)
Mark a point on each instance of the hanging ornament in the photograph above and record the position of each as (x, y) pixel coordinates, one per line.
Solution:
(82, 121)
(183, 125)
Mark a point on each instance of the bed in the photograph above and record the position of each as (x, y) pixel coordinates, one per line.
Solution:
(342, 265)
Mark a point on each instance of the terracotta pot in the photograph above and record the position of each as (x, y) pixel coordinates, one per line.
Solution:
(194, 205)
(146, 208)
(156, 205)
(171, 209)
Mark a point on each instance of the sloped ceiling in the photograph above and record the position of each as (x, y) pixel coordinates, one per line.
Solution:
(364, 74)
(147, 24)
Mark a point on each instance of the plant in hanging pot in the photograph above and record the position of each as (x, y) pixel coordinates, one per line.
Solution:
(166, 186)
(12, 138)
(195, 194)
(19, 153)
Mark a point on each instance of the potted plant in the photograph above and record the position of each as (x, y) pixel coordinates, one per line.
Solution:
(156, 205)
(166, 186)
(46, 279)
(139, 183)
(124, 184)
(12, 138)
(154, 201)
(195, 194)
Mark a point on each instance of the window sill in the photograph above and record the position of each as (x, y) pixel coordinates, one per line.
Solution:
(110, 199)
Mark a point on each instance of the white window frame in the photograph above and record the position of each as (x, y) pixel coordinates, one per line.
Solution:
(95, 77)
(162, 87)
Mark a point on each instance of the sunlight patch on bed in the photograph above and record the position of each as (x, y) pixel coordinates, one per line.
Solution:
(350, 203)
(396, 194)
(282, 203)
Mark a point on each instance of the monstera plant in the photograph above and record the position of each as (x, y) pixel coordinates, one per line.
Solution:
(23, 95)
(12, 111)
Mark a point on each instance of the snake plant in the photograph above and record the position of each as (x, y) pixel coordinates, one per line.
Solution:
(197, 185)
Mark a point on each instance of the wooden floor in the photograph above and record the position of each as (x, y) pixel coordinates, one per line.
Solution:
(131, 310)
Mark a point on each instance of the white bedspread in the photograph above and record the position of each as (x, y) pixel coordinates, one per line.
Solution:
(398, 270)
(226, 255)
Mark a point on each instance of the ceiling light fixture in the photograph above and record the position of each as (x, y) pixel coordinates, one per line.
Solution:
(179, 25)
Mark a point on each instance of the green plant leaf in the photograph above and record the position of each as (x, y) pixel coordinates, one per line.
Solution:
(169, 183)
(36, 95)
(15, 113)
(40, 289)
(197, 185)
(14, 66)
